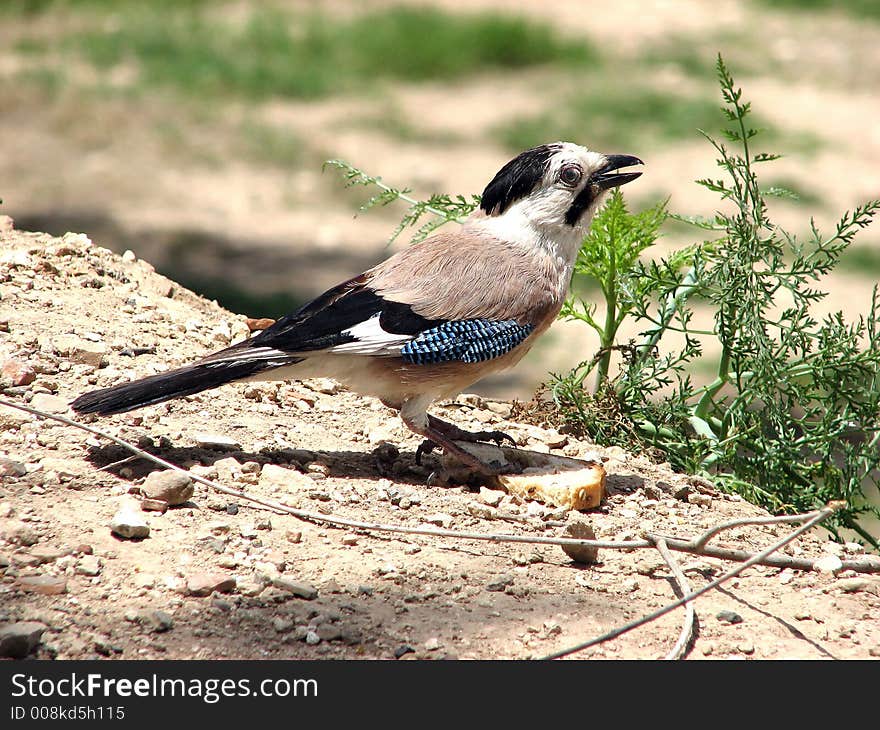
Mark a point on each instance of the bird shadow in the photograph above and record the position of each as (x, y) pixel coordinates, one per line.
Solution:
(119, 461)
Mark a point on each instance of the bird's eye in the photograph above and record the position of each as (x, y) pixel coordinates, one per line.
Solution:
(570, 175)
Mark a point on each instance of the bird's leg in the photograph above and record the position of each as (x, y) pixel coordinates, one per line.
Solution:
(444, 436)
(459, 434)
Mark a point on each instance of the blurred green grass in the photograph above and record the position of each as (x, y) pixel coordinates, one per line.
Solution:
(625, 113)
(272, 53)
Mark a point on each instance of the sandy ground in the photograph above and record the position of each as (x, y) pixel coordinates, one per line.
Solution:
(285, 588)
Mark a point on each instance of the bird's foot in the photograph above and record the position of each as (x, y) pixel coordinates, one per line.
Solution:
(452, 431)
(426, 447)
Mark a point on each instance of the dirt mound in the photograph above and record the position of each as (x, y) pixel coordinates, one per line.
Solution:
(219, 578)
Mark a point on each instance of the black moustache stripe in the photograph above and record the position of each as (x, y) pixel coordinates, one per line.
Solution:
(580, 204)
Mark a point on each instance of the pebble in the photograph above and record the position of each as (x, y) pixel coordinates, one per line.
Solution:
(500, 582)
(216, 442)
(828, 564)
(300, 589)
(204, 584)
(89, 565)
(701, 500)
(49, 403)
(6, 509)
(282, 625)
(18, 533)
(323, 385)
(729, 617)
(433, 644)
(440, 519)
(250, 588)
(853, 585)
(129, 523)
(482, 511)
(154, 620)
(45, 585)
(169, 485)
(746, 647)
(402, 650)
(79, 350)
(18, 372)
(19, 639)
(273, 476)
(294, 536)
(492, 497)
(581, 531)
(154, 505)
(312, 638)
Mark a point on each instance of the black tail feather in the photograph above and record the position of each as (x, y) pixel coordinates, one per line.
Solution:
(165, 386)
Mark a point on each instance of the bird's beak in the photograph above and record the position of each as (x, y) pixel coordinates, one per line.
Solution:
(607, 178)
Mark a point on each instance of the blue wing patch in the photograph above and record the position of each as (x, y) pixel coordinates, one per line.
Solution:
(466, 340)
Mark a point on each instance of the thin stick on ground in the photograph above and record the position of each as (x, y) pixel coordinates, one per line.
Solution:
(682, 588)
(814, 519)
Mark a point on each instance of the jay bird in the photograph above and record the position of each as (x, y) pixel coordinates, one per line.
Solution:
(434, 318)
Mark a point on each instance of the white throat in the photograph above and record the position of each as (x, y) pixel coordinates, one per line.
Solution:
(520, 227)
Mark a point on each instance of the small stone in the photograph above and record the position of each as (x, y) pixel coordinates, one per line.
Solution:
(89, 565)
(746, 647)
(874, 650)
(300, 589)
(350, 539)
(154, 620)
(258, 324)
(294, 536)
(250, 588)
(6, 509)
(312, 638)
(19, 639)
(44, 554)
(18, 533)
(402, 650)
(45, 585)
(170, 486)
(324, 385)
(828, 564)
(580, 530)
(128, 523)
(154, 505)
(19, 373)
(129, 256)
(492, 497)
(216, 442)
(49, 403)
(482, 511)
(500, 582)
(282, 625)
(79, 350)
(273, 477)
(701, 500)
(852, 585)
(432, 644)
(204, 584)
(228, 469)
(440, 519)
(729, 617)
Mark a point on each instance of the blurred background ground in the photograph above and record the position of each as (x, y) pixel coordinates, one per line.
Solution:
(194, 132)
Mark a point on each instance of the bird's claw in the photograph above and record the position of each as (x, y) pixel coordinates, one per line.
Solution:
(426, 447)
(499, 437)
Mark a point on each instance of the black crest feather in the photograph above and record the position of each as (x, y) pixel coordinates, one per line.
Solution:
(517, 179)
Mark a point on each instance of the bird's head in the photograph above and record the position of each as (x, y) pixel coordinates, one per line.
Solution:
(556, 186)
